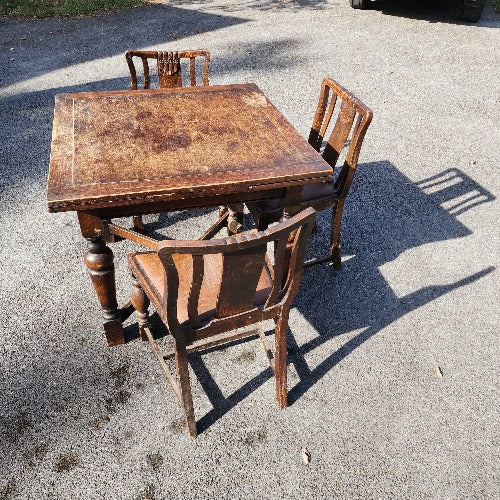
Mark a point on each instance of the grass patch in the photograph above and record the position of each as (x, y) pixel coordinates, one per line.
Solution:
(63, 8)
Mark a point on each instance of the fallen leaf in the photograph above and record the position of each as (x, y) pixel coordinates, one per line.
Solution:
(306, 456)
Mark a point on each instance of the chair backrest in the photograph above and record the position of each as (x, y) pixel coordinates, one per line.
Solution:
(244, 258)
(169, 67)
(351, 120)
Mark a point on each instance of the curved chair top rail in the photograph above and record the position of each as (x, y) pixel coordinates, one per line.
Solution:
(169, 66)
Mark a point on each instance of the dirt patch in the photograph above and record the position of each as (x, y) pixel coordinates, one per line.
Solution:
(36, 454)
(155, 461)
(66, 463)
(14, 428)
(120, 374)
(112, 405)
(99, 421)
(128, 434)
(8, 491)
(246, 356)
(254, 438)
(177, 426)
(119, 398)
(148, 493)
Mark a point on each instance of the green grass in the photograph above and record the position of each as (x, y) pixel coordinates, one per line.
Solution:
(54, 8)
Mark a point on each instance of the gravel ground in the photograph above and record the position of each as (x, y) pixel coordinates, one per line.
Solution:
(418, 289)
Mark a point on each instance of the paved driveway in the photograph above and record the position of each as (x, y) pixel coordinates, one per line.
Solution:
(418, 289)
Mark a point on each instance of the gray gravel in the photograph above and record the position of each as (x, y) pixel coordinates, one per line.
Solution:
(418, 289)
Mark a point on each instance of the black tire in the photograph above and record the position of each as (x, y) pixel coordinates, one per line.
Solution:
(360, 4)
(471, 11)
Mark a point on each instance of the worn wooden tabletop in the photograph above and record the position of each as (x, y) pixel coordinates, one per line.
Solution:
(131, 147)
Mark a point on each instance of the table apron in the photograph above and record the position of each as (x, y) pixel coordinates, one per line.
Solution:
(172, 205)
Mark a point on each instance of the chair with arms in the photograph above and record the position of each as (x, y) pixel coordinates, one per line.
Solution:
(211, 292)
(169, 72)
(352, 121)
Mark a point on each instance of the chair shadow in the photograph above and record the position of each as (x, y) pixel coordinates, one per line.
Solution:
(380, 224)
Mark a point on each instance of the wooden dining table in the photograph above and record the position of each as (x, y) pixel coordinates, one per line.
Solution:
(121, 153)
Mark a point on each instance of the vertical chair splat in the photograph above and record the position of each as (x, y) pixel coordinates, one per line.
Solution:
(228, 285)
(338, 105)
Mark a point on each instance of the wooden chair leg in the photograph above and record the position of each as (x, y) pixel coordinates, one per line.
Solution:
(280, 370)
(335, 234)
(138, 224)
(235, 218)
(184, 385)
(140, 301)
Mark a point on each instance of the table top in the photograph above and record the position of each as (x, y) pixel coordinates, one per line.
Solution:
(132, 147)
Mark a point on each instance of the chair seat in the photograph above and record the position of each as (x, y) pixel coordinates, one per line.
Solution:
(149, 271)
(310, 193)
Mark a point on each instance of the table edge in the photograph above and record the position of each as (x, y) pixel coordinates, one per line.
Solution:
(55, 205)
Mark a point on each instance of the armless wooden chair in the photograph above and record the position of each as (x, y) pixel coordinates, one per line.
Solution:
(169, 74)
(169, 67)
(351, 120)
(211, 292)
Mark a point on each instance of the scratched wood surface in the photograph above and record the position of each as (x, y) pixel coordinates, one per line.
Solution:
(131, 147)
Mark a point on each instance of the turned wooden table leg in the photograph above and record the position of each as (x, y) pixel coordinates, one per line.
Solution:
(99, 262)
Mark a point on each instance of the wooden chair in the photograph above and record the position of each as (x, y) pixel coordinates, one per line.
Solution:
(169, 67)
(169, 73)
(210, 292)
(352, 121)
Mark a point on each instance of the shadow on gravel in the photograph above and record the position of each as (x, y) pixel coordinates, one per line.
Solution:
(51, 44)
(262, 5)
(385, 215)
(433, 11)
